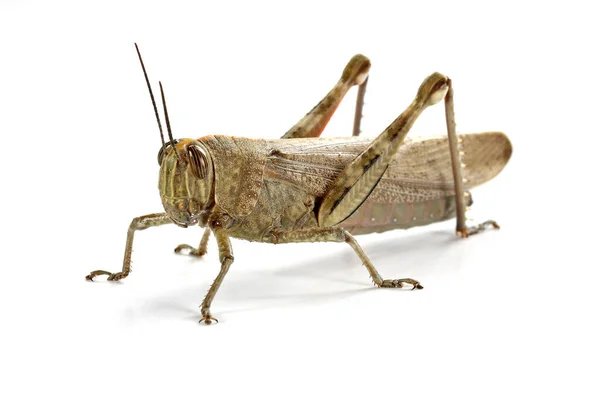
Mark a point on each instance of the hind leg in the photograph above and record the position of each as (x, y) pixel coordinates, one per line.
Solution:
(461, 226)
(360, 102)
(313, 123)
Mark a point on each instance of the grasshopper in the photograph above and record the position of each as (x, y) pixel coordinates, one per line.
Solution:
(302, 188)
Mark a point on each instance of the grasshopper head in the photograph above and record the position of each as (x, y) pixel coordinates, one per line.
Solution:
(186, 170)
(186, 181)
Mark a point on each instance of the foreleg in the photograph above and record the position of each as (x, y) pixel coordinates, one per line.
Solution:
(137, 224)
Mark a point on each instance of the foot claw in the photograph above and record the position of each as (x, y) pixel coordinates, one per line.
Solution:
(472, 230)
(208, 320)
(116, 276)
(399, 283)
(111, 277)
(192, 250)
(94, 274)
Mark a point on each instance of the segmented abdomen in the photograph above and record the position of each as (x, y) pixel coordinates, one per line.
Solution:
(373, 217)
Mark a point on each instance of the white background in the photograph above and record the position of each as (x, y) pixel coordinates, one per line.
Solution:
(507, 314)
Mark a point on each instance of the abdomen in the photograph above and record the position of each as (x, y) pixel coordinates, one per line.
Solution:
(376, 217)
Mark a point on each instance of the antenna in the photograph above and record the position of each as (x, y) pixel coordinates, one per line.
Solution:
(162, 95)
(162, 137)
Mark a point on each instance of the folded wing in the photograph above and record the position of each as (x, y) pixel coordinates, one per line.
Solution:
(421, 170)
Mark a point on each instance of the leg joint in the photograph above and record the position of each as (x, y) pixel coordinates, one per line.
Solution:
(227, 257)
(147, 221)
(135, 224)
(347, 237)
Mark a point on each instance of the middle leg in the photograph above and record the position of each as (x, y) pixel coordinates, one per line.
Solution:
(193, 251)
(337, 234)
(226, 258)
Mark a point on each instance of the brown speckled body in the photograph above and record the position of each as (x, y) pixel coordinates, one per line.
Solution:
(417, 188)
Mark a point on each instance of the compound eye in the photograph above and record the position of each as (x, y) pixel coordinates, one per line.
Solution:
(160, 156)
(161, 152)
(198, 161)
